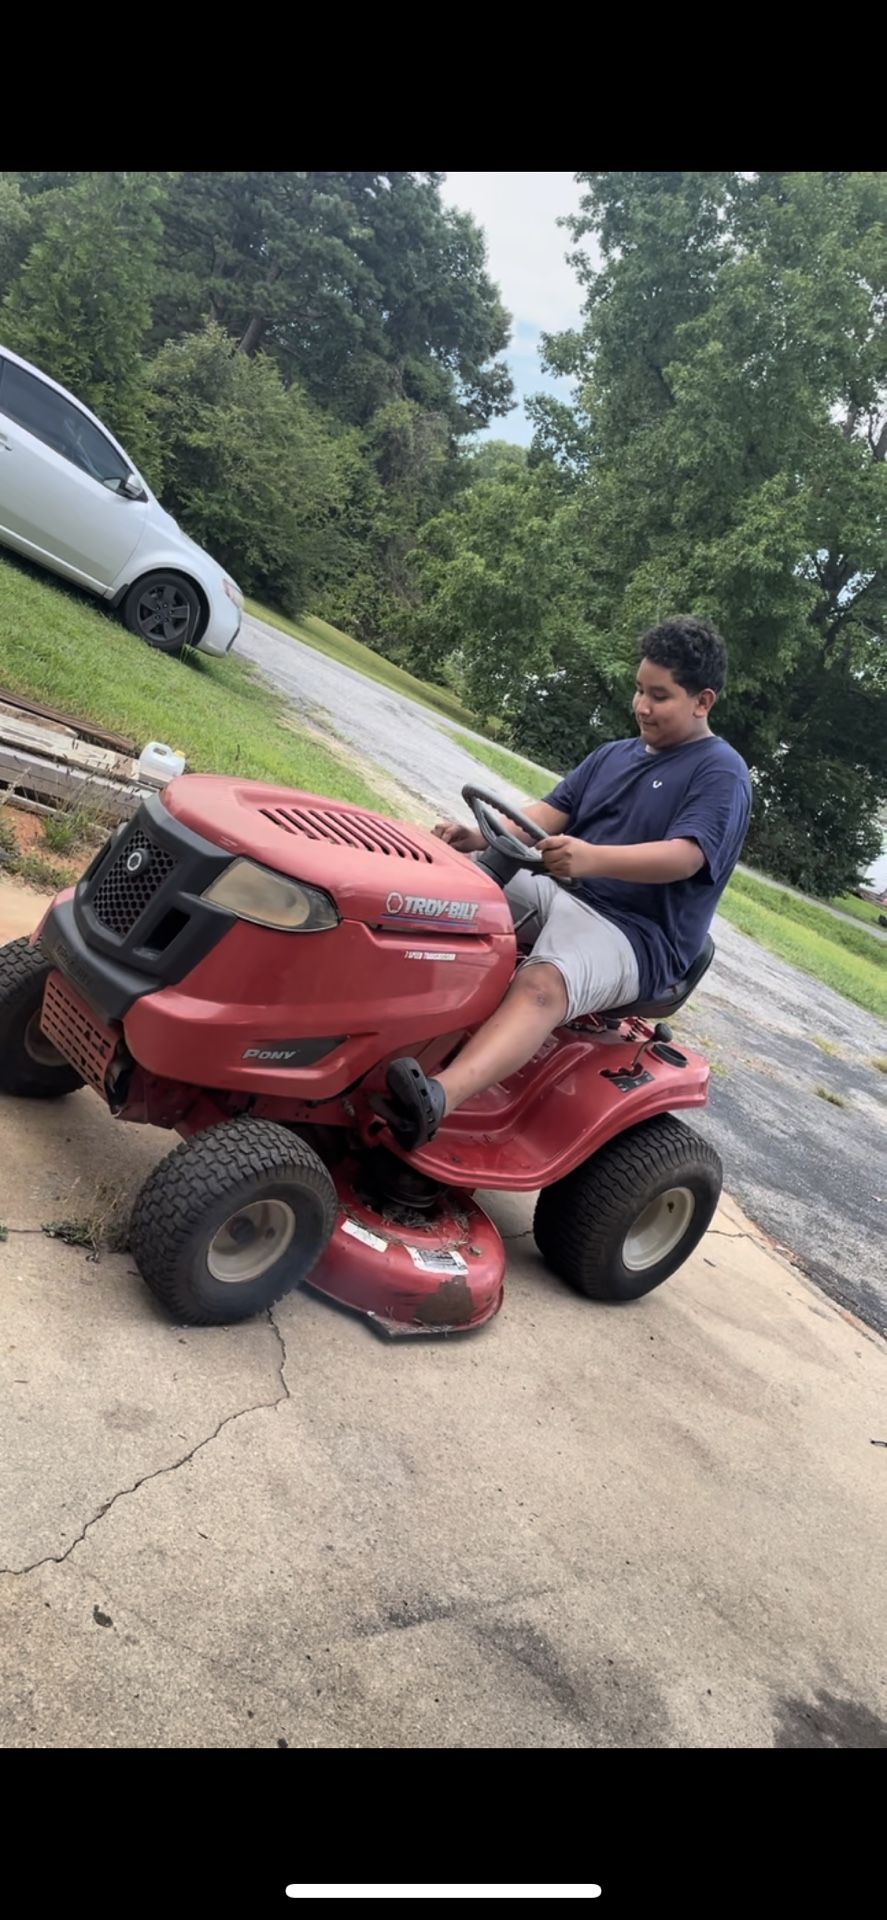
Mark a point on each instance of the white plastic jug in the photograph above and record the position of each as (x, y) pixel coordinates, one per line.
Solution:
(159, 762)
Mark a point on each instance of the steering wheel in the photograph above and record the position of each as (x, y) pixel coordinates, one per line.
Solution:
(485, 806)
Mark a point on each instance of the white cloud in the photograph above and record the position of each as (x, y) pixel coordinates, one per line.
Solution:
(518, 212)
(527, 258)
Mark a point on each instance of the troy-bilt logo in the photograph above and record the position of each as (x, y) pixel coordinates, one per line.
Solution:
(412, 906)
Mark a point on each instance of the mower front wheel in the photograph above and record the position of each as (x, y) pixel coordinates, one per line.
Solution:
(231, 1220)
(625, 1220)
(30, 1066)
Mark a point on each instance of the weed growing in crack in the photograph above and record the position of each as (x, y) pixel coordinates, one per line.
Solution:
(103, 1227)
(834, 1099)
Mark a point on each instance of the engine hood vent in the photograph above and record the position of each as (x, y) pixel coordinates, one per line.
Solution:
(361, 832)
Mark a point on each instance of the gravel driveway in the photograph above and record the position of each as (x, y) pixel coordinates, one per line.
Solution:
(812, 1173)
(408, 741)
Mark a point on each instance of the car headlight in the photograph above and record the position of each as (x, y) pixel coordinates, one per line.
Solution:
(270, 900)
(233, 593)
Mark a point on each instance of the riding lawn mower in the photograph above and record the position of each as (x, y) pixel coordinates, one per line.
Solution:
(242, 963)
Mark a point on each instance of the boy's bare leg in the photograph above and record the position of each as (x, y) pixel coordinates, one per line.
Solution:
(534, 1005)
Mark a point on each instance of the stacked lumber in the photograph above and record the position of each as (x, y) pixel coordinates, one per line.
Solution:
(86, 729)
(45, 764)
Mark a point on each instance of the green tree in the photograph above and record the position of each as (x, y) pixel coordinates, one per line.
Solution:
(728, 450)
(370, 298)
(363, 286)
(80, 305)
(250, 466)
(503, 608)
(375, 298)
(406, 471)
(15, 230)
(492, 460)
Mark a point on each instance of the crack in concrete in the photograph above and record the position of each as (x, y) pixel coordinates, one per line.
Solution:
(720, 1233)
(774, 1249)
(284, 1358)
(260, 1406)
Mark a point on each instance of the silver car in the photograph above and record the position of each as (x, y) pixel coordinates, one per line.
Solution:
(71, 500)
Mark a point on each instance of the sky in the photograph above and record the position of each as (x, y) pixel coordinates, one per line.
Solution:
(526, 251)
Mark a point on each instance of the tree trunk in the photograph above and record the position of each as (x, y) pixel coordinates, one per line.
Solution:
(252, 338)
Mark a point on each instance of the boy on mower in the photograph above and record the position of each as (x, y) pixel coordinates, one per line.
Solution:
(238, 965)
(645, 834)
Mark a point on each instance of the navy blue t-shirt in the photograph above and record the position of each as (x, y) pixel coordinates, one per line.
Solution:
(623, 795)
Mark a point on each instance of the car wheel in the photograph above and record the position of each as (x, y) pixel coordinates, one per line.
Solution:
(164, 610)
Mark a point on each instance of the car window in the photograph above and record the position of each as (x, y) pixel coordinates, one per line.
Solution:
(60, 425)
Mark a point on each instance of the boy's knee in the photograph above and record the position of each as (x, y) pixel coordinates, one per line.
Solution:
(544, 985)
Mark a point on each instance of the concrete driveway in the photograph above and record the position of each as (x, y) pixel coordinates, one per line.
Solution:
(659, 1526)
(808, 1170)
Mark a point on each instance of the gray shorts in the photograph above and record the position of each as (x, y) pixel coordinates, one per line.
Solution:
(594, 958)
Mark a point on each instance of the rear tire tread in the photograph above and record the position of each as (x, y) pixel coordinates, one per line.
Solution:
(581, 1221)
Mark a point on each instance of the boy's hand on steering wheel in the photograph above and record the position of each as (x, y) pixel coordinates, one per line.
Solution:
(566, 858)
(463, 839)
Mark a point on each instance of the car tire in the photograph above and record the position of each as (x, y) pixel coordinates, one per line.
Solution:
(164, 610)
(627, 1218)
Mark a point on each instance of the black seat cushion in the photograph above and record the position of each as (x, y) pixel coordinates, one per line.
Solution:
(670, 1002)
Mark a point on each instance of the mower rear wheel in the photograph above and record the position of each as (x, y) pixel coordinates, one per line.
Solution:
(625, 1221)
(29, 1065)
(232, 1219)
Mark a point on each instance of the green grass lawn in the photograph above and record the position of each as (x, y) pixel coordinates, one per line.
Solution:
(57, 647)
(844, 958)
(533, 780)
(866, 910)
(353, 653)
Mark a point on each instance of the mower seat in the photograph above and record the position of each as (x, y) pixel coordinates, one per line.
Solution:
(670, 1002)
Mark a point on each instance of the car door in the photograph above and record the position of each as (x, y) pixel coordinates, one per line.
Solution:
(61, 481)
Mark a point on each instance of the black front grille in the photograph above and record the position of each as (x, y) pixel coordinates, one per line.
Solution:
(121, 897)
(127, 933)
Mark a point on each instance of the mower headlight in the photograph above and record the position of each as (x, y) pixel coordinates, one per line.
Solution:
(271, 900)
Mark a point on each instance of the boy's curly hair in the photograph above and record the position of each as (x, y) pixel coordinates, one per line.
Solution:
(691, 649)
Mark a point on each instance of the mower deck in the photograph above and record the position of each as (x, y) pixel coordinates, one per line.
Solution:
(442, 1273)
